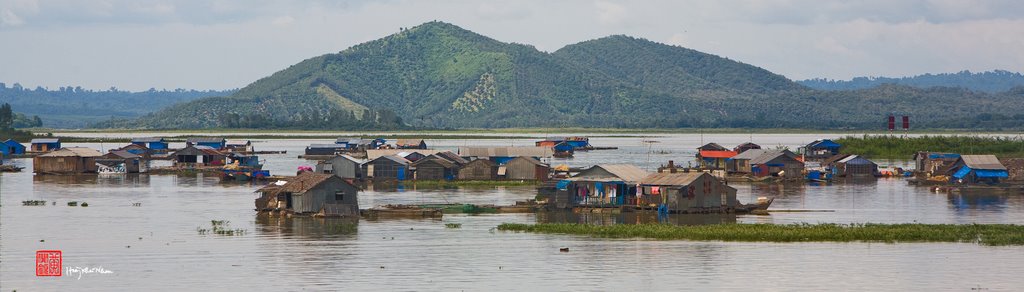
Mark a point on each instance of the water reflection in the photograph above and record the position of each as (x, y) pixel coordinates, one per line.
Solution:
(115, 180)
(961, 202)
(319, 228)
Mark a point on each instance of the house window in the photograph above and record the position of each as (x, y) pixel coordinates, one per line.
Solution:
(339, 196)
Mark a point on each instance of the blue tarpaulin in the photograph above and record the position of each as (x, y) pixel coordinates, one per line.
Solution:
(562, 184)
(943, 155)
(962, 172)
(983, 173)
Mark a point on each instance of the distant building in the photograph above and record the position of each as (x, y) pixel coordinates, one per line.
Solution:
(121, 161)
(932, 162)
(411, 144)
(745, 146)
(741, 162)
(238, 146)
(978, 169)
(310, 194)
(343, 166)
(70, 160)
(198, 156)
(602, 185)
(777, 163)
(502, 155)
(325, 149)
(526, 168)
(212, 142)
(388, 167)
(714, 159)
(45, 144)
(688, 192)
(158, 145)
(854, 166)
(821, 149)
(712, 147)
(435, 169)
(11, 147)
(480, 169)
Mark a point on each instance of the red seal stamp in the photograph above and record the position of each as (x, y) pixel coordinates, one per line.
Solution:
(49, 263)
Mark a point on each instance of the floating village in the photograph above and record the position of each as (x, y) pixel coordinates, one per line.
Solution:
(330, 185)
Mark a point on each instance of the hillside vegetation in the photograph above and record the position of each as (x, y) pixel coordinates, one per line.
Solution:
(991, 81)
(438, 75)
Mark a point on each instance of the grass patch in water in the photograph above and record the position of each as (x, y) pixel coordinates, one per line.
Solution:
(220, 227)
(453, 225)
(985, 234)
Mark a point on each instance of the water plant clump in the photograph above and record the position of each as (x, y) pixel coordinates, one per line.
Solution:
(985, 234)
(220, 227)
(73, 204)
(341, 228)
(84, 204)
(33, 203)
(453, 225)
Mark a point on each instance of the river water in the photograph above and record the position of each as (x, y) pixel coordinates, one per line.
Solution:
(143, 229)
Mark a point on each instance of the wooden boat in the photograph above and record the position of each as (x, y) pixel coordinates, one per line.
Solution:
(10, 168)
(402, 211)
(757, 208)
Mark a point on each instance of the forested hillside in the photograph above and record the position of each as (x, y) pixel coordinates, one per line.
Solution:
(991, 81)
(438, 75)
(73, 107)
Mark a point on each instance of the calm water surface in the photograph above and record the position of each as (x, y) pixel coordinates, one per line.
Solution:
(155, 245)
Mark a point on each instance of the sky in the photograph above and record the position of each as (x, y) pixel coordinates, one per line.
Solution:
(223, 44)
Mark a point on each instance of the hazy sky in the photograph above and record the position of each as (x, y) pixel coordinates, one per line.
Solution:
(218, 44)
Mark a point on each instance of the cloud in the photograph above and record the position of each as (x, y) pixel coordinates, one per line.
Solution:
(283, 20)
(610, 13)
(9, 19)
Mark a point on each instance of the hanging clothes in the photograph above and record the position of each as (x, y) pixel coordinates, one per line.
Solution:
(655, 190)
(639, 191)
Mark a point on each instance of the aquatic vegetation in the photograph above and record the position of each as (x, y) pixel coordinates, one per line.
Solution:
(899, 147)
(33, 203)
(341, 228)
(453, 225)
(73, 204)
(220, 227)
(986, 234)
(84, 204)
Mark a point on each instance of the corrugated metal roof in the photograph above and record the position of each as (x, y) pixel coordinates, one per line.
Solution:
(530, 160)
(73, 152)
(147, 140)
(626, 172)
(443, 162)
(712, 146)
(671, 179)
(122, 154)
(194, 140)
(329, 146)
(543, 152)
(772, 154)
(304, 182)
(409, 142)
(45, 140)
(983, 162)
(237, 142)
(394, 158)
(749, 154)
(372, 154)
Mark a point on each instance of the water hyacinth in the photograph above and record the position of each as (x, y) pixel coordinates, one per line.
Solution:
(986, 234)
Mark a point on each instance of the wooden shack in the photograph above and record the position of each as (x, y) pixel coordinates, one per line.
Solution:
(244, 146)
(11, 147)
(343, 166)
(974, 169)
(435, 169)
(741, 162)
(854, 166)
(198, 156)
(777, 163)
(480, 169)
(70, 160)
(159, 145)
(600, 185)
(121, 161)
(212, 142)
(310, 194)
(688, 192)
(388, 167)
(745, 146)
(526, 168)
(325, 149)
(411, 144)
(932, 162)
(44, 144)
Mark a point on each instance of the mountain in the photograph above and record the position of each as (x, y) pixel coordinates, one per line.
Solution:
(75, 107)
(438, 75)
(990, 81)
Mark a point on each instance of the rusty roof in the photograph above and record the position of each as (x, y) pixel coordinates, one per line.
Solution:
(671, 179)
(531, 151)
(73, 152)
(982, 162)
